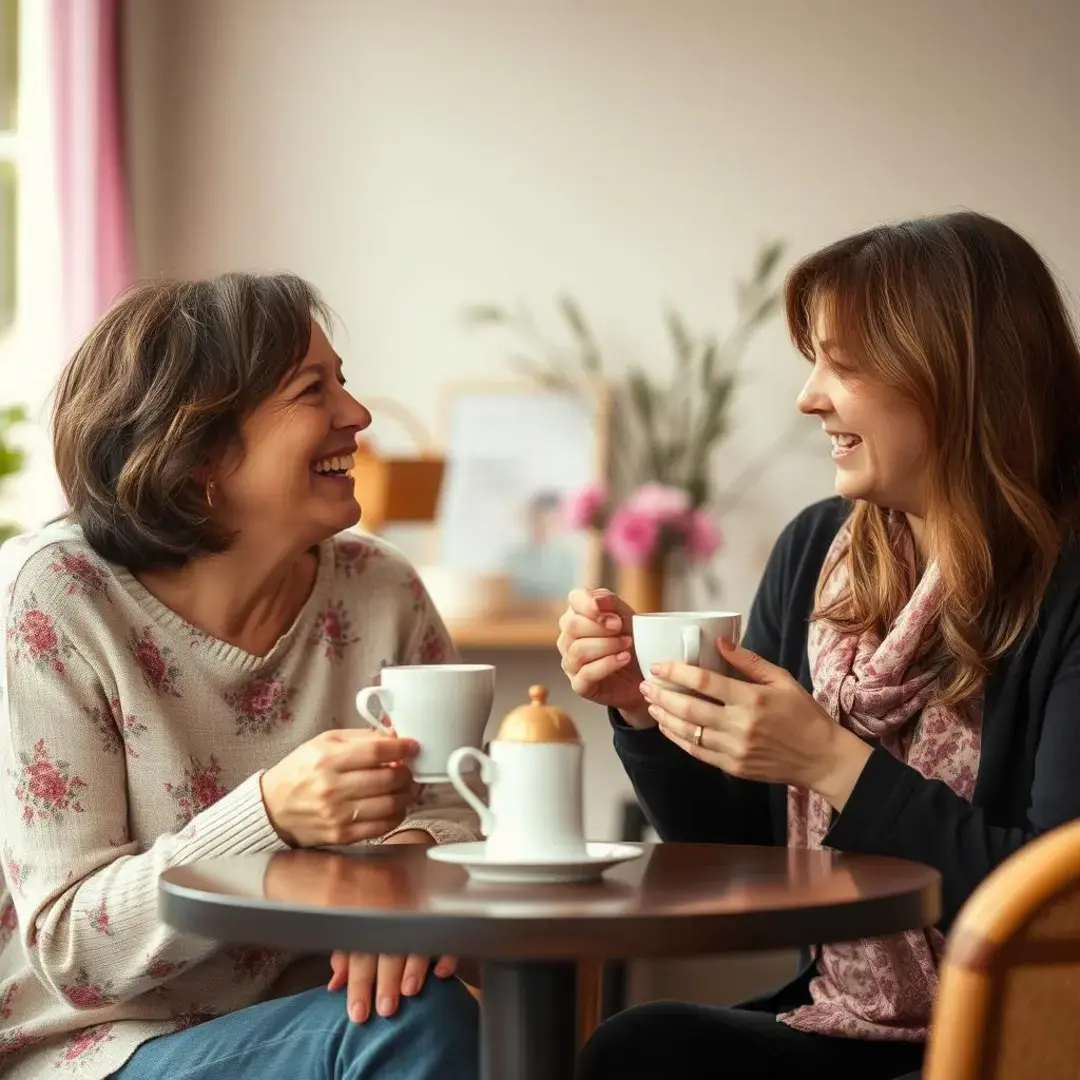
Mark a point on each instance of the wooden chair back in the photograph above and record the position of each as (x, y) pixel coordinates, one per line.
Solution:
(590, 999)
(1008, 1004)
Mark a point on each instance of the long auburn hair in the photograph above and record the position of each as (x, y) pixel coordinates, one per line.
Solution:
(960, 316)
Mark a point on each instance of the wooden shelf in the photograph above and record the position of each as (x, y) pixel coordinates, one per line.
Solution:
(507, 632)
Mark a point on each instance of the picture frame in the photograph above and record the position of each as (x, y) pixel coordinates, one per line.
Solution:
(515, 451)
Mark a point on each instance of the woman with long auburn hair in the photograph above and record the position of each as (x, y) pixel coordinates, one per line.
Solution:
(910, 671)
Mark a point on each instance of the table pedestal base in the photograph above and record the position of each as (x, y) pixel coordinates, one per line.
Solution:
(528, 1020)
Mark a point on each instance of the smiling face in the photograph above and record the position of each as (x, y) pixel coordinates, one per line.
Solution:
(879, 440)
(290, 476)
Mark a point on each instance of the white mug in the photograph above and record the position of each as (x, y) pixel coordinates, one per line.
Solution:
(441, 706)
(535, 792)
(688, 637)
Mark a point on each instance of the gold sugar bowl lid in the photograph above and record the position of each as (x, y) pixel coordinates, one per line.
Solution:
(537, 722)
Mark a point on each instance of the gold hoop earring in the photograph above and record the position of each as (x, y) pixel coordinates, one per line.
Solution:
(210, 494)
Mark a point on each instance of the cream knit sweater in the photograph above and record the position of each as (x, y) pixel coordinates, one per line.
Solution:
(130, 741)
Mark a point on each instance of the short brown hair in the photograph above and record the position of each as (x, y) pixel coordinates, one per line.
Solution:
(156, 392)
(960, 316)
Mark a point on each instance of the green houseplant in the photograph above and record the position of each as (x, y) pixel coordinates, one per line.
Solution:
(667, 426)
(12, 457)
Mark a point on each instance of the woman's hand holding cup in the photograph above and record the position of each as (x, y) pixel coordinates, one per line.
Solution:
(340, 787)
(597, 650)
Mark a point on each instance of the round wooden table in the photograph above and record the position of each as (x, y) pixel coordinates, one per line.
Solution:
(677, 900)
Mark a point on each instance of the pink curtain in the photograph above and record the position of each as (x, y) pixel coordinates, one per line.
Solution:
(95, 241)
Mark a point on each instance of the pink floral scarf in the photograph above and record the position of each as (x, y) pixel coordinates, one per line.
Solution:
(881, 988)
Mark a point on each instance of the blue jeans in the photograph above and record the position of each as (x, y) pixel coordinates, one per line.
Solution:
(434, 1036)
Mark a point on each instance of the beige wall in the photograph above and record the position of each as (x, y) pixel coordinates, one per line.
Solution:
(411, 157)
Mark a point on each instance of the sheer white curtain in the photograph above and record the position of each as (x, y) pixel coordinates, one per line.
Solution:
(74, 251)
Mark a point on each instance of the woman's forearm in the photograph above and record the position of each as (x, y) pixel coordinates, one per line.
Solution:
(686, 800)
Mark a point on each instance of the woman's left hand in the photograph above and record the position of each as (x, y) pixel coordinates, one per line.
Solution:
(384, 980)
(767, 728)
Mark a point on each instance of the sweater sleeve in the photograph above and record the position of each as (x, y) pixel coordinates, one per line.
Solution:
(441, 811)
(84, 894)
(683, 798)
(895, 810)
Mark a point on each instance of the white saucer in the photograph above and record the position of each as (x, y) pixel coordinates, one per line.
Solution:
(553, 871)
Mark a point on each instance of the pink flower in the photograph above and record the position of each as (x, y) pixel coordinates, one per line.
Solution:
(331, 624)
(149, 658)
(261, 696)
(160, 969)
(660, 502)
(431, 648)
(582, 511)
(86, 1040)
(98, 918)
(85, 995)
(47, 784)
(631, 537)
(352, 550)
(205, 788)
(702, 535)
(38, 632)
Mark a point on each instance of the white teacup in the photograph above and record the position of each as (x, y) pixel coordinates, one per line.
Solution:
(535, 792)
(688, 637)
(441, 706)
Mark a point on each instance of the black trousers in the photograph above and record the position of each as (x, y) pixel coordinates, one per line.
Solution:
(706, 1042)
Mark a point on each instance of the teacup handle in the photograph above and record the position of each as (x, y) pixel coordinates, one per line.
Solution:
(386, 703)
(487, 775)
(691, 645)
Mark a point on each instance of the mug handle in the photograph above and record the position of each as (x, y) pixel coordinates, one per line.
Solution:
(487, 775)
(691, 645)
(385, 700)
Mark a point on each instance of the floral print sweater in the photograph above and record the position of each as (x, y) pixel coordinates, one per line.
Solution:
(130, 741)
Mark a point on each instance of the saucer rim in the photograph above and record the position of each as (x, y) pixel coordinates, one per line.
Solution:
(617, 851)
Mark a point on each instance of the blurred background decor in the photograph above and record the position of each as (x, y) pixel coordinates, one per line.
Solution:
(659, 507)
(12, 457)
(643, 535)
(397, 487)
(516, 451)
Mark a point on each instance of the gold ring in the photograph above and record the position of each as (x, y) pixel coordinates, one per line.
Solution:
(697, 735)
(356, 812)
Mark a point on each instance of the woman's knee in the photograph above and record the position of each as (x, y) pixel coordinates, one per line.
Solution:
(635, 1039)
(445, 1005)
(640, 1040)
(433, 1036)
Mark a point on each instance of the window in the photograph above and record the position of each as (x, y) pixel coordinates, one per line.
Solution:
(30, 340)
(9, 156)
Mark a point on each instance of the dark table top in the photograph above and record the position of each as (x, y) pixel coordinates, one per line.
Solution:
(678, 899)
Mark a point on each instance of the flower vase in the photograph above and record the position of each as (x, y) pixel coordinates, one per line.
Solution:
(641, 587)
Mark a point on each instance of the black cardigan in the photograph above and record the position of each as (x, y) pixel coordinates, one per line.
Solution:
(1029, 772)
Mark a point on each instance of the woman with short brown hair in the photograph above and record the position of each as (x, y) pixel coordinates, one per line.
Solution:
(182, 655)
(911, 664)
